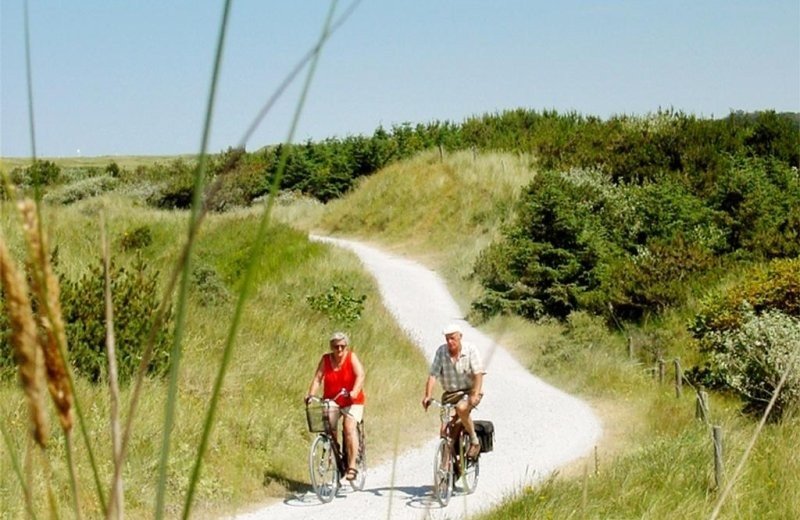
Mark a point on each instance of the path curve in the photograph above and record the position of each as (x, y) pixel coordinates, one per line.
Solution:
(538, 428)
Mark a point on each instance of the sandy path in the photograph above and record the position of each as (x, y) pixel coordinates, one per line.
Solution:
(538, 428)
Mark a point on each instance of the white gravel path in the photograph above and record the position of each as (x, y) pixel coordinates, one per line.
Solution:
(538, 428)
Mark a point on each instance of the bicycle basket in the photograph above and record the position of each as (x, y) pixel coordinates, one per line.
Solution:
(315, 416)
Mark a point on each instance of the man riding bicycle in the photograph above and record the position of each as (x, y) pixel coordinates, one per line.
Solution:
(459, 368)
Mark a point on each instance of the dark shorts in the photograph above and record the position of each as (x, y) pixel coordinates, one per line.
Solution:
(454, 396)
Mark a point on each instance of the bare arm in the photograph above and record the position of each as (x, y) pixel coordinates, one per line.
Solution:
(315, 381)
(428, 391)
(358, 368)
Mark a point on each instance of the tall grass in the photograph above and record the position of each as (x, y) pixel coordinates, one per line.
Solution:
(281, 338)
(655, 462)
(258, 448)
(443, 209)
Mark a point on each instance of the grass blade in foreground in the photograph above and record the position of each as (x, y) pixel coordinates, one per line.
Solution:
(246, 286)
(184, 285)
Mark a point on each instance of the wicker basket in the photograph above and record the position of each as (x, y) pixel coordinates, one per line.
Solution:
(315, 416)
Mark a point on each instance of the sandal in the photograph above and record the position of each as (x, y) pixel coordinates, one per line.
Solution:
(351, 474)
(473, 451)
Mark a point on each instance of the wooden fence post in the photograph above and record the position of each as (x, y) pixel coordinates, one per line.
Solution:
(718, 468)
(678, 378)
(630, 347)
(596, 462)
(661, 370)
(701, 406)
(441, 153)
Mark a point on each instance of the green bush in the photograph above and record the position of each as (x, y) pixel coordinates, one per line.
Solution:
(771, 287)
(177, 185)
(135, 298)
(136, 238)
(210, 288)
(40, 173)
(758, 201)
(752, 359)
(339, 304)
(82, 189)
(239, 187)
(547, 256)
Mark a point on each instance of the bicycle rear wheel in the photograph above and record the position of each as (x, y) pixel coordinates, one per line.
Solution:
(361, 459)
(470, 469)
(443, 473)
(322, 469)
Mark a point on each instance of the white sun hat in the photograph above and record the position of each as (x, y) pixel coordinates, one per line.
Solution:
(451, 328)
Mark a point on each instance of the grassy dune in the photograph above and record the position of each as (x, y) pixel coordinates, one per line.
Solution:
(656, 459)
(259, 446)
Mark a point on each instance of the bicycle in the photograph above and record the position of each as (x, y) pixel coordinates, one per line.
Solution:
(327, 461)
(451, 462)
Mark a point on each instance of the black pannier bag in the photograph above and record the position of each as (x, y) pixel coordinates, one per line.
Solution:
(485, 432)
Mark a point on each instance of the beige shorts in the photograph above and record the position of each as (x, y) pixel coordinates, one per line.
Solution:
(356, 411)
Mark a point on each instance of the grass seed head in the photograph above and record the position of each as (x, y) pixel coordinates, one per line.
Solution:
(24, 342)
(54, 338)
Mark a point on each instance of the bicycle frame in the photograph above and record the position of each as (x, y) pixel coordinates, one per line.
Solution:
(326, 479)
(450, 462)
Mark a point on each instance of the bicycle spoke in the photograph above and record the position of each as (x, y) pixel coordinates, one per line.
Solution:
(442, 474)
(322, 469)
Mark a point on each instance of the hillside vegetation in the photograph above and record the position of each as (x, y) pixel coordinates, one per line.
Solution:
(258, 449)
(656, 458)
(592, 249)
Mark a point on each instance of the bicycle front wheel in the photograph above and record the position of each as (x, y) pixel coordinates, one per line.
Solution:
(322, 469)
(443, 473)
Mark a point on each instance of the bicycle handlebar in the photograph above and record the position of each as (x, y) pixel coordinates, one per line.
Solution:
(313, 398)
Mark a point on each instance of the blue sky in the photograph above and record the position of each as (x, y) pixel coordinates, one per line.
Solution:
(114, 77)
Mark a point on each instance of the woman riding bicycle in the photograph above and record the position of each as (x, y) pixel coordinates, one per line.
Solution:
(338, 371)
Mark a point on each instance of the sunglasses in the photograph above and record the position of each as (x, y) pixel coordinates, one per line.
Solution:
(337, 347)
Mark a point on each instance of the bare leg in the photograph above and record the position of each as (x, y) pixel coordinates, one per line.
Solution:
(463, 410)
(351, 438)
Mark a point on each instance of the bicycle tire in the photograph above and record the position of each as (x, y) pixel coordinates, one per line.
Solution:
(470, 469)
(322, 469)
(361, 459)
(443, 473)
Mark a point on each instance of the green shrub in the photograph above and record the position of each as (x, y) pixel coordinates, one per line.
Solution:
(135, 298)
(752, 358)
(210, 288)
(82, 189)
(758, 199)
(113, 169)
(770, 287)
(339, 304)
(40, 173)
(136, 238)
(546, 258)
(239, 188)
(177, 185)
(653, 279)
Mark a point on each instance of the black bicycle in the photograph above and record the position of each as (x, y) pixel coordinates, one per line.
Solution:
(327, 460)
(451, 464)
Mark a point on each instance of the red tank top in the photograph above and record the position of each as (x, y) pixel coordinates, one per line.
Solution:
(336, 379)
